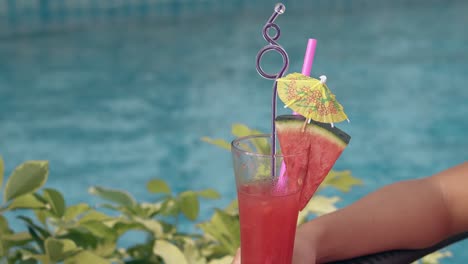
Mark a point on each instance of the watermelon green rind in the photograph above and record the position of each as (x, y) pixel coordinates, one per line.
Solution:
(297, 121)
(323, 143)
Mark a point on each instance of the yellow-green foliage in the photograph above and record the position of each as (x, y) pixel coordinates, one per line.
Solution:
(434, 258)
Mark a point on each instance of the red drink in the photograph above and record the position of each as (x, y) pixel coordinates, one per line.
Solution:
(268, 223)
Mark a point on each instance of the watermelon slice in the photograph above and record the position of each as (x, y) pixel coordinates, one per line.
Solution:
(324, 143)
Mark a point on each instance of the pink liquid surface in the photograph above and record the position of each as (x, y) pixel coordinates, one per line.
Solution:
(268, 224)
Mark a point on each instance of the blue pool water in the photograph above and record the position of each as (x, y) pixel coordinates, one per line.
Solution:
(116, 105)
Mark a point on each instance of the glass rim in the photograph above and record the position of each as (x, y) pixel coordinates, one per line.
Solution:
(235, 145)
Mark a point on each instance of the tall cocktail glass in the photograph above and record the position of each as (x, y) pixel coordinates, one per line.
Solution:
(268, 202)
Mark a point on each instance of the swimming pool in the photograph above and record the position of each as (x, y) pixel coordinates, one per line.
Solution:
(116, 105)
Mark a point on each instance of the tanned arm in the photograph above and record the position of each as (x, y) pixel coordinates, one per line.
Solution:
(409, 214)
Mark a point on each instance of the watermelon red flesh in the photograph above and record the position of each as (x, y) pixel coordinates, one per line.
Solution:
(323, 142)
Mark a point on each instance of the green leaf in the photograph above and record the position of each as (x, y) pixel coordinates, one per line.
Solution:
(232, 208)
(122, 226)
(169, 229)
(105, 248)
(27, 201)
(169, 252)
(43, 232)
(119, 197)
(42, 216)
(56, 201)
(27, 261)
(4, 228)
(158, 186)
(209, 194)
(43, 259)
(224, 260)
(2, 171)
(10, 240)
(261, 144)
(26, 178)
(241, 130)
(192, 252)
(217, 142)
(224, 229)
(321, 205)
(341, 180)
(114, 207)
(58, 249)
(189, 204)
(24, 257)
(82, 237)
(150, 209)
(170, 207)
(17, 237)
(74, 211)
(94, 215)
(435, 257)
(138, 253)
(39, 240)
(86, 257)
(151, 225)
(99, 229)
(318, 205)
(14, 245)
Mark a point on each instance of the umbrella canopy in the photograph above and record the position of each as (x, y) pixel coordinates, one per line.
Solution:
(311, 98)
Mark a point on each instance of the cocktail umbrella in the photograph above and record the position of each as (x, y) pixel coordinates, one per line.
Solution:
(311, 98)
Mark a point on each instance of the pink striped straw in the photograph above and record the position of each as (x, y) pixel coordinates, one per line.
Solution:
(306, 69)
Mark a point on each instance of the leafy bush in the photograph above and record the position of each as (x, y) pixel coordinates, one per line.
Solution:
(81, 233)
